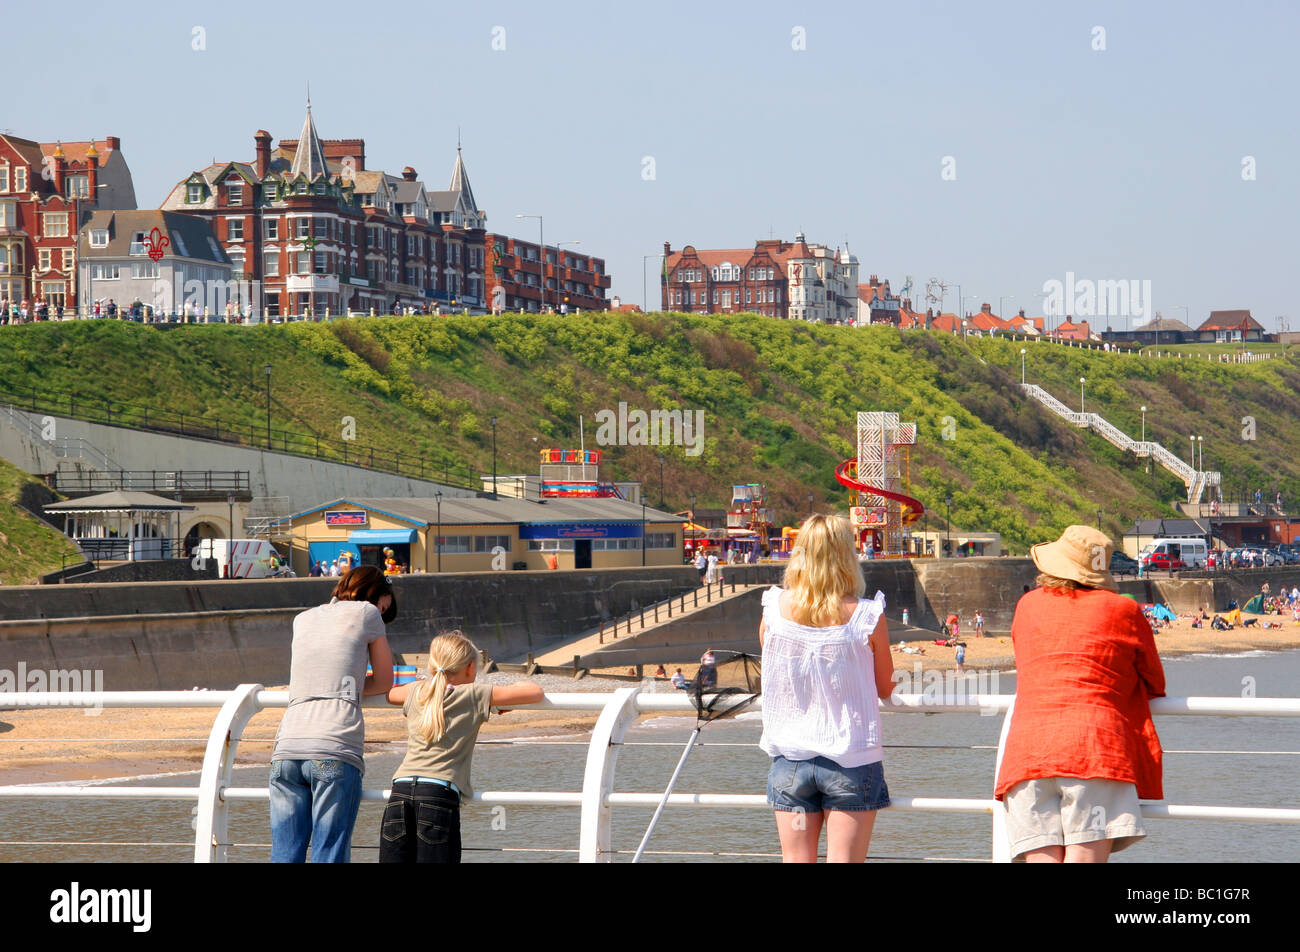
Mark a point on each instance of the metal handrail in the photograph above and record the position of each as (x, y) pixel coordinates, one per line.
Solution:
(618, 711)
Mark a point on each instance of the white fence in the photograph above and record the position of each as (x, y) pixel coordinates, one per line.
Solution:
(618, 711)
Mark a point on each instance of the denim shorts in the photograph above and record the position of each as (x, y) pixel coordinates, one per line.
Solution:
(813, 786)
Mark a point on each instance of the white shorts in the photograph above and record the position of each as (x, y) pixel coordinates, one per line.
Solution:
(1063, 811)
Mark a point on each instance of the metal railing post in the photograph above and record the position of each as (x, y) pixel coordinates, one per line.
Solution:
(212, 815)
(1001, 851)
(598, 779)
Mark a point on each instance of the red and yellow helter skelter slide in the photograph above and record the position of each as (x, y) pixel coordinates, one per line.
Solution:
(847, 473)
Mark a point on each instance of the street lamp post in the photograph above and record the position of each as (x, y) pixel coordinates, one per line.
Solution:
(947, 502)
(1082, 381)
(1098, 520)
(1144, 423)
(268, 406)
(1193, 459)
(494, 457)
(230, 505)
(541, 241)
(1022, 366)
(437, 540)
(1200, 453)
(643, 528)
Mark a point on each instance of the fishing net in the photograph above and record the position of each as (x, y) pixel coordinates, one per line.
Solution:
(726, 687)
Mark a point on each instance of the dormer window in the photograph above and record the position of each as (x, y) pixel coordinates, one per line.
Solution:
(20, 179)
(137, 244)
(193, 193)
(99, 237)
(235, 194)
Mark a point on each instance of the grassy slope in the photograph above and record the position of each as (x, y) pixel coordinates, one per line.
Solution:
(28, 546)
(779, 399)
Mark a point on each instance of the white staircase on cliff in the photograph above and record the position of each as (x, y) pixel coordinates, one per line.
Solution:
(1196, 481)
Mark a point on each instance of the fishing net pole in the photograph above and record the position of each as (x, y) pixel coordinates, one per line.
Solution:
(720, 690)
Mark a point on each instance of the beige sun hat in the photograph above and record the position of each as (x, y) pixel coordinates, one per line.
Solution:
(1081, 554)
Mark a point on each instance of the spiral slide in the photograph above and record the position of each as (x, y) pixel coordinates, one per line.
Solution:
(846, 473)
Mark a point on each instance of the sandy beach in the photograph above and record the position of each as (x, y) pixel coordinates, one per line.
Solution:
(65, 745)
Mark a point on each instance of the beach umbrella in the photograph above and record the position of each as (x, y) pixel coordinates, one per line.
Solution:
(737, 684)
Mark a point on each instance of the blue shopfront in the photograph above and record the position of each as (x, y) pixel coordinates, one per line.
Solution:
(582, 537)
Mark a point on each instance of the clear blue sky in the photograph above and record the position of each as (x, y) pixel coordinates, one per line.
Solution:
(1117, 164)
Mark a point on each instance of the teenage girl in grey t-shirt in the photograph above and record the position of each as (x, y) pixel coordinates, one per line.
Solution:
(317, 763)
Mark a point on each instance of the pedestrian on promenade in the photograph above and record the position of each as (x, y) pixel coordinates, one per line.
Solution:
(1081, 748)
(317, 761)
(826, 664)
(444, 713)
(702, 564)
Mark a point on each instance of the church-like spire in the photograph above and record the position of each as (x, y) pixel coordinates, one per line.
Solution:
(460, 182)
(309, 159)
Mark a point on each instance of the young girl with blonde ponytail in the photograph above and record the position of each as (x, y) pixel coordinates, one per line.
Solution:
(444, 712)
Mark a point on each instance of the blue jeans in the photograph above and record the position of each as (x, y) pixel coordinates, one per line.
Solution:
(313, 801)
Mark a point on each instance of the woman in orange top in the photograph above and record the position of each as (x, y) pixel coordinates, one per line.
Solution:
(1081, 748)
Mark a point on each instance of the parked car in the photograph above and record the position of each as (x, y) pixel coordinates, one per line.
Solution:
(1163, 560)
(1121, 564)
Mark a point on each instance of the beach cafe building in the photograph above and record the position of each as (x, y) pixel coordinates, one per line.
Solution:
(484, 534)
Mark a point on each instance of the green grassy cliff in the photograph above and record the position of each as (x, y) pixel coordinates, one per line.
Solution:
(779, 400)
(29, 546)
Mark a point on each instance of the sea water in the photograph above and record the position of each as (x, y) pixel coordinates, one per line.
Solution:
(948, 755)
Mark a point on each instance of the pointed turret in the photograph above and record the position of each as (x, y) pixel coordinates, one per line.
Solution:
(460, 183)
(309, 159)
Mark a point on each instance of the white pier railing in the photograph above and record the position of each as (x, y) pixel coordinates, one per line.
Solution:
(618, 711)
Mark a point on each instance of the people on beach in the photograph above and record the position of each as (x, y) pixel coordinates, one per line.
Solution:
(826, 664)
(1081, 748)
(979, 624)
(701, 564)
(317, 763)
(444, 713)
(679, 680)
(708, 673)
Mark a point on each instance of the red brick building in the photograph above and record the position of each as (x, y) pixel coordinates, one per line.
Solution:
(324, 234)
(47, 190)
(775, 277)
(573, 281)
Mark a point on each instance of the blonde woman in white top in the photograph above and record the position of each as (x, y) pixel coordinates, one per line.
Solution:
(826, 664)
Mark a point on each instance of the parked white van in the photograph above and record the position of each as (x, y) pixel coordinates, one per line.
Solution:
(1192, 550)
(237, 558)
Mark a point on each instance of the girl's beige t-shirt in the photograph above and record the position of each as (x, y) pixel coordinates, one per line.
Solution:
(466, 707)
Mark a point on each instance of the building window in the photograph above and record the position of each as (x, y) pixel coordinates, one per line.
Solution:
(236, 264)
(235, 229)
(43, 259)
(489, 542)
(77, 186)
(193, 194)
(550, 545)
(321, 263)
(144, 269)
(304, 227)
(104, 272)
(304, 263)
(20, 179)
(69, 259)
(54, 224)
(99, 238)
(455, 545)
(235, 194)
(271, 228)
(4, 178)
(322, 227)
(270, 262)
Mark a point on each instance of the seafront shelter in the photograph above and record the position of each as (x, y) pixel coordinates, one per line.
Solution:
(485, 534)
(123, 526)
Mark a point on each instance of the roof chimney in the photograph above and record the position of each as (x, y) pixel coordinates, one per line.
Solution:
(262, 143)
(668, 248)
(408, 174)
